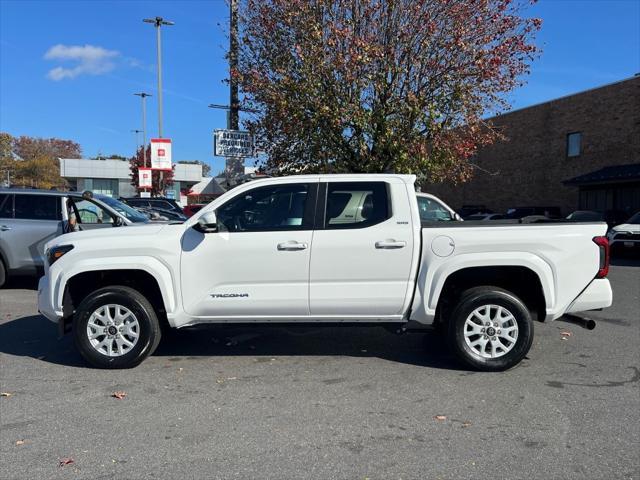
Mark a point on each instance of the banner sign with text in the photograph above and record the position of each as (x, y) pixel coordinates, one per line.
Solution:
(144, 178)
(161, 154)
(232, 143)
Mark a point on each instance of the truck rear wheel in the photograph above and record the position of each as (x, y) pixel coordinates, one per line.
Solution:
(115, 327)
(490, 329)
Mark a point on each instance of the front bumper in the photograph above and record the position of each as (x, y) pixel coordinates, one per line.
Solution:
(596, 296)
(45, 300)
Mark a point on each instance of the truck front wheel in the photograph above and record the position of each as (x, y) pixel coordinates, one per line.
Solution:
(490, 329)
(115, 327)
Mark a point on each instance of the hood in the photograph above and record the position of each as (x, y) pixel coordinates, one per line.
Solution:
(627, 227)
(146, 229)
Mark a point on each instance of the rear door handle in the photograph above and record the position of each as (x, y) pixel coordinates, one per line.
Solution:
(4, 228)
(292, 245)
(390, 244)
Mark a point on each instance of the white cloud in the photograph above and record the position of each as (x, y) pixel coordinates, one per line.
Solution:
(91, 60)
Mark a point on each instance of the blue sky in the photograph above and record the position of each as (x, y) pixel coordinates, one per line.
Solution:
(44, 92)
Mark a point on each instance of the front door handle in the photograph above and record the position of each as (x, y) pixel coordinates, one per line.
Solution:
(390, 244)
(4, 228)
(292, 245)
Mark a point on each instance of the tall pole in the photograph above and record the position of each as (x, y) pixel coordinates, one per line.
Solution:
(159, 48)
(233, 164)
(143, 96)
(158, 22)
(234, 102)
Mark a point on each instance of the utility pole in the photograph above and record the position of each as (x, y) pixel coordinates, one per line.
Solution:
(234, 103)
(143, 97)
(234, 166)
(158, 22)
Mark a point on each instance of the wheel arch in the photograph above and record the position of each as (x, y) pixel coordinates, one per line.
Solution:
(520, 280)
(149, 277)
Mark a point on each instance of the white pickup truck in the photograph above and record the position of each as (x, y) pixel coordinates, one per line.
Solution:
(327, 249)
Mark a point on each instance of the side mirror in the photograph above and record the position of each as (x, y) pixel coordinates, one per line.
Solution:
(207, 223)
(118, 222)
(457, 217)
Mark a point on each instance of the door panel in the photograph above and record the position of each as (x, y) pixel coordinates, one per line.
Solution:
(36, 220)
(362, 268)
(257, 264)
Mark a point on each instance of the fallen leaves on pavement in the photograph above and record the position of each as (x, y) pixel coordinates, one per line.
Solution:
(5, 394)
(565, 335)
(66, 461)
(119, 395)
(466, 424)
(440, 418)
(19, 442)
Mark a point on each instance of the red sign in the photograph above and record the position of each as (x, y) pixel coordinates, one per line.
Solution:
(161, 154)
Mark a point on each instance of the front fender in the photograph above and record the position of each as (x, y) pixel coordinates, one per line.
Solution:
(151, 265)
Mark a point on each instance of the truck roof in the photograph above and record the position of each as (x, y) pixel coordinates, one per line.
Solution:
(405, 178)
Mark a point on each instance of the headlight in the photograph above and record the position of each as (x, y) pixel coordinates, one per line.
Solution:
(57, 252)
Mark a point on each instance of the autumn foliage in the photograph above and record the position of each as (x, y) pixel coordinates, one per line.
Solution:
(33, 162)
(379, 85)
(137, 162)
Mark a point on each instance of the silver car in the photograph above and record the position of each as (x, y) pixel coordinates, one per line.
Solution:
(30, 218)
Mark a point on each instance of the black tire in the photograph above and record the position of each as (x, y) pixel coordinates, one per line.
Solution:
(149, 327)
(3, 273)
(474, 298)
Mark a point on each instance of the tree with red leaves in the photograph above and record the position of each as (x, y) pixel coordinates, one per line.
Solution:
(157, 189)
(379, 85)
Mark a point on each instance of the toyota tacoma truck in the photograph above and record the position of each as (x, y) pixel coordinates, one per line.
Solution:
(325, 249)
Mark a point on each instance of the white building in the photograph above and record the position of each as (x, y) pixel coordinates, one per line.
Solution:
(113, 177)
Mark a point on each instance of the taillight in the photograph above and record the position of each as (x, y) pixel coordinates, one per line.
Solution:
(603, 246)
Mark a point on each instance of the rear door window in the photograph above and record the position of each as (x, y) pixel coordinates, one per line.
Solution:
(37, 207)
(356, 204)
(6, 205)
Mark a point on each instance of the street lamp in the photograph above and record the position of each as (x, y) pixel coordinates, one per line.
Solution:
(143, 96)
(158, 22)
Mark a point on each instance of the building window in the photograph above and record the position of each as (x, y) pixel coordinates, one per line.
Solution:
(574, 144)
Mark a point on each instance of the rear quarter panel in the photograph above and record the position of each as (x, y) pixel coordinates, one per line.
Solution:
(564, 257)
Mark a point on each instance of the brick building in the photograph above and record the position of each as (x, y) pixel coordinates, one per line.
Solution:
(581, 151)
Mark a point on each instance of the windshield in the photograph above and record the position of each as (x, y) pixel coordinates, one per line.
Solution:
(635, 220)
(125, 210)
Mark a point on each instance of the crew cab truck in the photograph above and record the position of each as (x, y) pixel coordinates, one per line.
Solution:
(324, 249)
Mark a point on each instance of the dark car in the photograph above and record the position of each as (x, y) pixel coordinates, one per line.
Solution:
(154, 203)
(468, 210)
(520, 212)
(586, 216)
(485, 216)
(612, 217)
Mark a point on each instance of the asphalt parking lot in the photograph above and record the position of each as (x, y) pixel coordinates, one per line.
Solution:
(350, 403)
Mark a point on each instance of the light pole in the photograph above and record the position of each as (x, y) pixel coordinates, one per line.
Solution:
(143, 96)
(158, 22)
